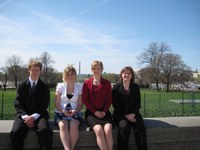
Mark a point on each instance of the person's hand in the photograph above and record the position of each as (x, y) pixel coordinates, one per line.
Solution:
(68, 113)
(100, 114)
(29, 121)
(131, 117)
(72, 112)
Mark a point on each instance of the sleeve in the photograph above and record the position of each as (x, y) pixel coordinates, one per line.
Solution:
(118, 107)
(86, 98)
(36, 115)
(19, 102)
(108, 97)
(137, 99)
(59, 88)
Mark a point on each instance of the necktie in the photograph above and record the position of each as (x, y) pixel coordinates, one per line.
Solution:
(33, 88)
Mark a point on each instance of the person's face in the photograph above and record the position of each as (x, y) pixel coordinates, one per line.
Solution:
(70, 77)
(97, 70)
(34, 72)
(126, 75)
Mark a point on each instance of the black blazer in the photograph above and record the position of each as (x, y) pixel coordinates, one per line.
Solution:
(27, 103)
(126, 103)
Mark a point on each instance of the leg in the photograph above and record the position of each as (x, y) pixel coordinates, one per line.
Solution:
(140, 133)
(64, 134)
(44, 134)
(101, 141)
(74, 132)
(140, 137)
(108, 135)
(123, 135)
(18, 134)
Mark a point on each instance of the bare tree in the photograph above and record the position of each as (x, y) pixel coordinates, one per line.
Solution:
(3, 78)
(14, 66)
(46, 61)
(153, 57)
(145, 76)
(173, 69)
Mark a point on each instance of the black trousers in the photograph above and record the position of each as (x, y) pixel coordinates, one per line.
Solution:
(124, 130)
(19, 132)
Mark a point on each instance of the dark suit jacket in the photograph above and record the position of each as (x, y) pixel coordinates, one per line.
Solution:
(27, 103)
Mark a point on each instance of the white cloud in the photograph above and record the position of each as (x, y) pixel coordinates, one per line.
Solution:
(68, 44)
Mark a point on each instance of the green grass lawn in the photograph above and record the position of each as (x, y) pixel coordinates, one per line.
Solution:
(154, 104)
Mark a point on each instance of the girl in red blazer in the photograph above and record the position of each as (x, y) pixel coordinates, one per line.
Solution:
(97, 97)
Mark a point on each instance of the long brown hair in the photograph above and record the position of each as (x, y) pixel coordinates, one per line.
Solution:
(131, 71)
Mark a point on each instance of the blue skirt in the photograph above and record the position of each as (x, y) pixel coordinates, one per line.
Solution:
(60, 116)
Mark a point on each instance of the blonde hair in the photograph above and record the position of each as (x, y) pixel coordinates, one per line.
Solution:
(67, 70)
(34, 63)
(95, 63)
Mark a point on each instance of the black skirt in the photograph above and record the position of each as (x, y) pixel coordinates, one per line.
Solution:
(92, 120)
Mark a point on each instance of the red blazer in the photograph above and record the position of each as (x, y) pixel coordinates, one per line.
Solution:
(97, 98)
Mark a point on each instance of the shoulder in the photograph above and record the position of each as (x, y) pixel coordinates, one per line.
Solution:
(135, 86)
(88, 81)
(105, 81)
(23, 83)
(60, 86)
(42, 84)
(118, 84)
(78, 85)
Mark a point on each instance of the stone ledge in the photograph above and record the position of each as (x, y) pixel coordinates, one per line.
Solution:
(168, 133)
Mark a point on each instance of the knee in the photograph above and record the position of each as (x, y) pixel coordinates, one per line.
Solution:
(18, 133)
(108, 129)
(98, 129)
(47, 132)
(124, 125)
(63, 125)
(124, 128)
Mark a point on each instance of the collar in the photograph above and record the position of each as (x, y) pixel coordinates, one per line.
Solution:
(31, 81)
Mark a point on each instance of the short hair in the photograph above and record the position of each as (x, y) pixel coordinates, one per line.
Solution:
(129, 68)
(67, 70)
(95, 63)
(34, 63)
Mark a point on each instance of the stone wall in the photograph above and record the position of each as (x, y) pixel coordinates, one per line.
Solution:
(171, 133)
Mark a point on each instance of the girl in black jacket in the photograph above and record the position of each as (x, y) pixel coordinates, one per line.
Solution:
(126, 103)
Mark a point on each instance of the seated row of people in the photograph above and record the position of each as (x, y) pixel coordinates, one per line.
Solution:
(33, 97)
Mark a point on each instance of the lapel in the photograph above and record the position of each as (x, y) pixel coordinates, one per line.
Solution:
(37, 89)
(28, 86)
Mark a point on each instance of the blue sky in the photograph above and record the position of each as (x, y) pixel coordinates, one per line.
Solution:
(113, 31)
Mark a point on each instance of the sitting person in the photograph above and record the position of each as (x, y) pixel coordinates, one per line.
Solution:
(68, 105)
(97, 97)
(126, 104)
(31, 103)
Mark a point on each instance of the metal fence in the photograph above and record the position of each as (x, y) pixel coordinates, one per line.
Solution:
(153, 104)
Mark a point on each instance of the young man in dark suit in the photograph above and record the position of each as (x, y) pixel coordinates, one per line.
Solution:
(31, 103)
